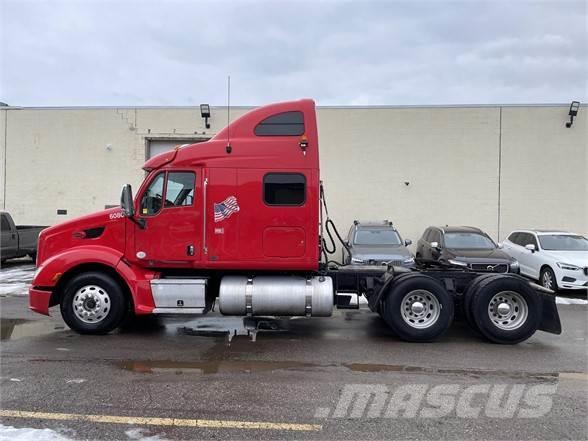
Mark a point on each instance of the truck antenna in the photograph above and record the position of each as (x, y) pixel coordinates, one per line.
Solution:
(228, 147)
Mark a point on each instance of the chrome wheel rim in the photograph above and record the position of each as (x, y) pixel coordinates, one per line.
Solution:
(547, 280)
(91, 304)
(420, 309)
(508, 310)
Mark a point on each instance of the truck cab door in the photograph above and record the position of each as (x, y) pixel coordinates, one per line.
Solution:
(170, 210)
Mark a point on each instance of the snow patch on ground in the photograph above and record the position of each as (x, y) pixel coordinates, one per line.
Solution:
(9, 433)
(16, 280)
(143, 435)
(567, 301)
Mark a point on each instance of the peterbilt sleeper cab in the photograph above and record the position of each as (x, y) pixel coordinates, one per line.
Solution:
(235, 222)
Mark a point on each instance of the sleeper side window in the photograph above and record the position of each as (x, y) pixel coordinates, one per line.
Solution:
(286, 189)
(282, 124)
(180, 189)
(152, 199)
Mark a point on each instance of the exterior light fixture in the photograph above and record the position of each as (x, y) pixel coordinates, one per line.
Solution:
(574, 107)
(205, 113)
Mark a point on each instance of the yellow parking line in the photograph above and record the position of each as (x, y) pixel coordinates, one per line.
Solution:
(148, 421)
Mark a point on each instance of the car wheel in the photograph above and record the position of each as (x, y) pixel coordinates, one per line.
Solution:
(548, 279)
(93, 303)
(506, 309)
(418, 309)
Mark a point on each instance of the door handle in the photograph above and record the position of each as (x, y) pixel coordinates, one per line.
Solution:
(190, 250)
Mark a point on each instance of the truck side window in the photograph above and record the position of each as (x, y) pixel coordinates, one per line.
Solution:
(180, 189)
(282, 124)
(5, 226)
(284, 189)
(152, 199)
(426, 235)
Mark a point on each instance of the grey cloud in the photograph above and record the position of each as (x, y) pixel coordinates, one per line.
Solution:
(380, 52)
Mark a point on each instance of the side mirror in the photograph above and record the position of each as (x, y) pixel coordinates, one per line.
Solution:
(499, 245)
(407, 242)
(126, 201)
(435, 245)
(531, 247)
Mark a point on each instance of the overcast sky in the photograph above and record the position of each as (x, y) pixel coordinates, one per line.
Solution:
(92, 52)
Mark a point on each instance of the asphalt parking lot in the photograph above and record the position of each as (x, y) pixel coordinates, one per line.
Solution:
(181, 378)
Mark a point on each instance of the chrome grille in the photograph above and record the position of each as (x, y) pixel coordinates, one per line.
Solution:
(489, 267)
(385, 262)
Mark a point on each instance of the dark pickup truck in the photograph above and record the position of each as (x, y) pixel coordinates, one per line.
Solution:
(18, 241)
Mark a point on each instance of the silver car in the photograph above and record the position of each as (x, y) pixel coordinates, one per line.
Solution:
(377, 243)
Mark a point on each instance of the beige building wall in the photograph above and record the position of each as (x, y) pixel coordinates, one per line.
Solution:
(494, 167)
(544, 169)
(3, 116)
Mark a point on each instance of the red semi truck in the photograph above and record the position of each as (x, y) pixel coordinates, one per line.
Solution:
(237, 222)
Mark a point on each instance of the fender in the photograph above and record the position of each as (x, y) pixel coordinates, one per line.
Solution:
(50, 272)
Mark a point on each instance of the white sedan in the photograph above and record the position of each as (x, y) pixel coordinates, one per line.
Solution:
(556, 259)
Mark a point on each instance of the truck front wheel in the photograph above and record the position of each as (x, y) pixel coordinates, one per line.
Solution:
(506, 309)
(418, 309)
(93, 303)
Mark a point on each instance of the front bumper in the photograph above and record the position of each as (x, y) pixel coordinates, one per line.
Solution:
(571, 279)
(39, 300)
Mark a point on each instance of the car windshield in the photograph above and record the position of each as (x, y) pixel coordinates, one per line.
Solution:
(563, 242)
(377, 236)
(472, 241)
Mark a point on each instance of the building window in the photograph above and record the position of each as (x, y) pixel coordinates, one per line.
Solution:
(284, 189)
(282, 124)
(180, 189)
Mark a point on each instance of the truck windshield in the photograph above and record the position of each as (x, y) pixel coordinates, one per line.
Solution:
(563, 242)
(468, 241)
(377, 236)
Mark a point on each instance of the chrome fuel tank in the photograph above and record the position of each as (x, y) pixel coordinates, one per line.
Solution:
(276, 295)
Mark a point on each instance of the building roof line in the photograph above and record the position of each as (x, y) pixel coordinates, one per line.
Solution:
(361, 107)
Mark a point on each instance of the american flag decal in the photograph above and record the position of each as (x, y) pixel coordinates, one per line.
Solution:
(225, 208)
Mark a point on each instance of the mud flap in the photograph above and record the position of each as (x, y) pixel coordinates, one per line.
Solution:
(550, 320)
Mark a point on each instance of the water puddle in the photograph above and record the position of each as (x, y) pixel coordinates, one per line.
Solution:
(366, 367)
(13, 329)
(210, 366)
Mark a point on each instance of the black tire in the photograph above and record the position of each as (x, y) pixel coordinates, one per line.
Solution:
(434, 294)
(545, 273)
(469, 295)
(94, 284)
(517, 290)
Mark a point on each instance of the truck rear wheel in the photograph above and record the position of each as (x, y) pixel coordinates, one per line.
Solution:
(418, 309)
(506, 309)
(93, 303)
(468, 297)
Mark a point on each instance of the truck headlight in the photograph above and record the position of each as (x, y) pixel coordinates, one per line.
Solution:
(457, 262)
(568, 266)
(514, 265)
(356, 260)
(408, 261)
